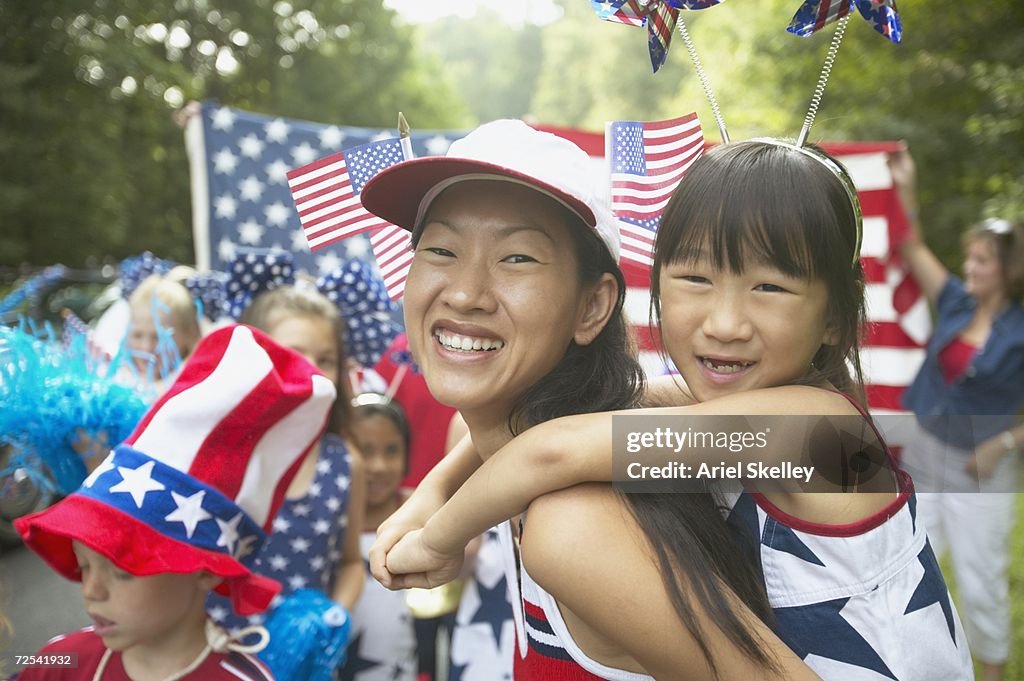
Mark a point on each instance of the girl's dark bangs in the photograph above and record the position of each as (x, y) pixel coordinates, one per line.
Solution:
(736, 220)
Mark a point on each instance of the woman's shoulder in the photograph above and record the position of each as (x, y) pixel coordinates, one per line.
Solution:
(565, 529)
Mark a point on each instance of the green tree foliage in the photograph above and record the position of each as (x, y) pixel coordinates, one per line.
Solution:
(491, 65)
(954, 90)
(94, 164)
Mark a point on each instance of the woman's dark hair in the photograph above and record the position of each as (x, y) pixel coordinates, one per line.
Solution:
(270, 307)
(695, 550)
(1008, 240)
(757, 202)
(366, 405)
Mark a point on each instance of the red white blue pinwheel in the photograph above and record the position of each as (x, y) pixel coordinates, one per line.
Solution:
(816, 14)
(659, 15)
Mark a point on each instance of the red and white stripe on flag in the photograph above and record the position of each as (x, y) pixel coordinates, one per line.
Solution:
(329, 208)
(647, 160)
(392, 248)
(898, 316)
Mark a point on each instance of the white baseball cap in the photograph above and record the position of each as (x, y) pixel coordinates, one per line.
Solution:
(503, 150)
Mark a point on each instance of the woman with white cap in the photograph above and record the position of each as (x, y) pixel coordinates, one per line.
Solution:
(513, 308)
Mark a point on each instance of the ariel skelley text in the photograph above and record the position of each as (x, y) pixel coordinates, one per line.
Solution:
(754, 470)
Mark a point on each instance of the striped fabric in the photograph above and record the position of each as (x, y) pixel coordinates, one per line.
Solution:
(237, 407)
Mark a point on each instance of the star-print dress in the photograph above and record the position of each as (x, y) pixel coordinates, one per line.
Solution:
(858, 602)
(382, 645)
(304, 548)
(484, 636)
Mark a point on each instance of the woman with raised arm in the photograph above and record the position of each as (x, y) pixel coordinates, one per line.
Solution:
(966, 396)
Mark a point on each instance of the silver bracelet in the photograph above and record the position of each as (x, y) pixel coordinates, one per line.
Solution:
(1006, 437)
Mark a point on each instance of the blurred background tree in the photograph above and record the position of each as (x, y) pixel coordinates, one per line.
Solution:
(94, 165)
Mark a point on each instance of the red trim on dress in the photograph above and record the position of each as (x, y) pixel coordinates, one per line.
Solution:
(850, 529)
(904, 485)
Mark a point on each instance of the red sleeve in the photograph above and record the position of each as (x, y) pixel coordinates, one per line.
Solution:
(84, 643)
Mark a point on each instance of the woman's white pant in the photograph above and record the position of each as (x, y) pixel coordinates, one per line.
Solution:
(975, 527)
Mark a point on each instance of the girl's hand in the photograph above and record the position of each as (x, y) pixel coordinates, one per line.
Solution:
(986, 457)
(390, 532)
(414, 564)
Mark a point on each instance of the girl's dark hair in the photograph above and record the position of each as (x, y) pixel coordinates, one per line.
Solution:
(1008, 240)
(694, 547)
(756, 202)
(270, 307)
(365, 405)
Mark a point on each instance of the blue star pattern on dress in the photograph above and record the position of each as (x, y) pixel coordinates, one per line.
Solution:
(483, 640)
(304, 548)
(383, 646)
(859, 602)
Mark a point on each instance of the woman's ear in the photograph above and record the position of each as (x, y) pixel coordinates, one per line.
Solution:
(596, 309)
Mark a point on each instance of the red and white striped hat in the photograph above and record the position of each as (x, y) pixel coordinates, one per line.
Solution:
(197, 485)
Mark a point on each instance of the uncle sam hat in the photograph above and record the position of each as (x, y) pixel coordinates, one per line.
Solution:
(196, 486)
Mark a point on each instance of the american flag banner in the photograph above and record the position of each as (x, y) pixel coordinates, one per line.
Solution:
(239, 163)
(326, 192)
(232, 150)
(647, 161)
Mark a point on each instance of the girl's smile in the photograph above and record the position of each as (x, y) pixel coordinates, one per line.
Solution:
(730, 331)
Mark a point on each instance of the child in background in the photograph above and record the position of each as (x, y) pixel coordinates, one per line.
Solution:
(174, 512)
(383, 644)
(311, 546)
(162, 330)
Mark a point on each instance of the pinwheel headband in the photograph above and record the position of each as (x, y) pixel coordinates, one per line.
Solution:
(661, 16)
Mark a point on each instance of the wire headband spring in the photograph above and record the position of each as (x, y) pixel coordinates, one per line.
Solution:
(826, 71)
(705, 82)
(819, 90)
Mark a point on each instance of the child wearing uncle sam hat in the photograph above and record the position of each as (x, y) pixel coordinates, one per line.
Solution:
(177, 509)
